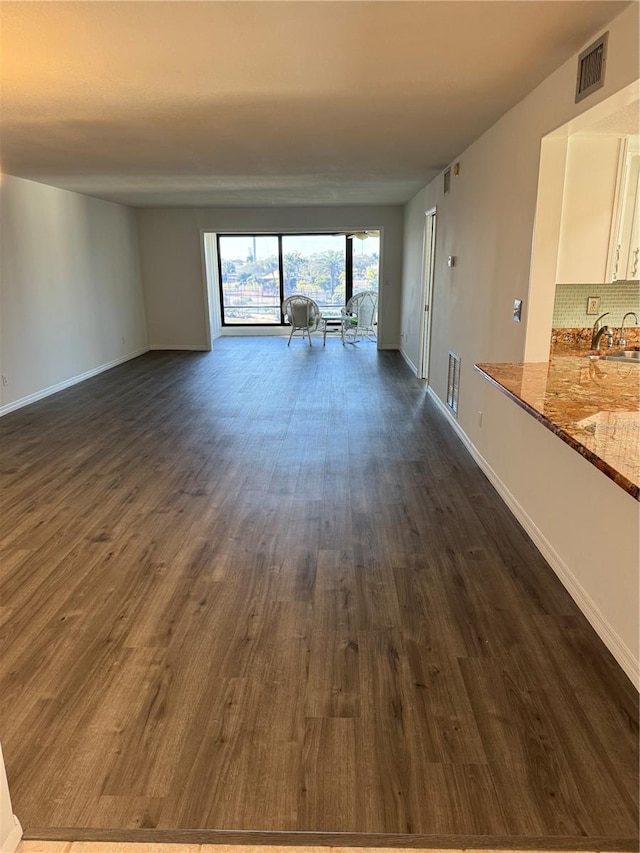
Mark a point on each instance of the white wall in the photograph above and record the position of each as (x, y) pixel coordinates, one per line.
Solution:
(70, 288)
(545, 247)
(172, 263)
(487, 222)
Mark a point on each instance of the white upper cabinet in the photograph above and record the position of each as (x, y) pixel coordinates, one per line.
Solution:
(589, 209)
(626, 263)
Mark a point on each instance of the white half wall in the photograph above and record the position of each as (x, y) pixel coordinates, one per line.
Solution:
(487, 222)
(599, 564)
(173, 265)
(71, 299)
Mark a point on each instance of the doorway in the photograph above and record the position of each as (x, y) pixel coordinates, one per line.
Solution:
(428, 267)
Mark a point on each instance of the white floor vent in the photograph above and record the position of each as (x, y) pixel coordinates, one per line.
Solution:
(453, 382)
(591, 68)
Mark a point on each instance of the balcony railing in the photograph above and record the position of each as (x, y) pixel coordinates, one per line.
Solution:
(248, 313)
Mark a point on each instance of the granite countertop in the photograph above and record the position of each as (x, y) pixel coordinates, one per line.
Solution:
(591, 404)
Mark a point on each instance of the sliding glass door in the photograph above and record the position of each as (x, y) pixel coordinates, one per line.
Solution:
(316, 265)
(257, 272)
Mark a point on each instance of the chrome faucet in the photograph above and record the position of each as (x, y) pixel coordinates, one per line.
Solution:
(599, 332)
(623, 340)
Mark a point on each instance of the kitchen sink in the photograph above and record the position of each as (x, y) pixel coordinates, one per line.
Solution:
(629, 356)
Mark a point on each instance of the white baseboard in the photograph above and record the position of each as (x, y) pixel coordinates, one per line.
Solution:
(589, 608)
(67, 383)
(388, 346)
(189, 347)
(408, 360)
(11, 842)
(10, 829)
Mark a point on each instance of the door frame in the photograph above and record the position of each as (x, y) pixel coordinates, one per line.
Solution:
(426, 295)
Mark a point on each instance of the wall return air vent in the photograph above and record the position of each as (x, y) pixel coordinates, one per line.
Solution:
(447, 181)
(453, 382)
(591, 68)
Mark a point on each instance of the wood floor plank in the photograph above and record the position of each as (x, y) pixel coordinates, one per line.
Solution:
(328, 784)
(384, 710)
(333, 688)
(265, 591)
(208, 754)
(536, 759)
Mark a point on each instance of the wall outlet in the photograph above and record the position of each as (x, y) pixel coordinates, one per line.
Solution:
(5, 381)
(593, 305)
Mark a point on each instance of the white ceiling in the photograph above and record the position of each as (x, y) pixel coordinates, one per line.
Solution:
(267, 103)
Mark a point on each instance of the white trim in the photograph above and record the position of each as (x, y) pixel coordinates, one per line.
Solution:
(408, 360)
(11, 842)
(190, 347)
(210, 284)
(206, 292)
(383, 282)
(589, 608)
(426, 299)
(67, 383)
(10, 829)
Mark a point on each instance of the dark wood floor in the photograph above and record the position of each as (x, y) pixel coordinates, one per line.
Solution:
(267, 589)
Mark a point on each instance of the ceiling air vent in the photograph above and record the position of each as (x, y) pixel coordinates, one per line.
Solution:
(453, 382)
(591, 64)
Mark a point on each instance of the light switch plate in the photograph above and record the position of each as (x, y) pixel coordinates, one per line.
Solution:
(517, 310)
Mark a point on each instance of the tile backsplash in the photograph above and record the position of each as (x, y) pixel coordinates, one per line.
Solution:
(570, 307)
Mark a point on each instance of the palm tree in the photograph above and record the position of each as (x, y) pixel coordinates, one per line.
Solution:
(294, 264)
(228, 268)
(331, 263)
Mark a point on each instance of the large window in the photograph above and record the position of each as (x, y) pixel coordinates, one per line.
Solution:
(257, 272)
(250, 279)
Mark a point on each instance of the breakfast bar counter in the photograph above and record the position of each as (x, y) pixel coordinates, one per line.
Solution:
(591, 404)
